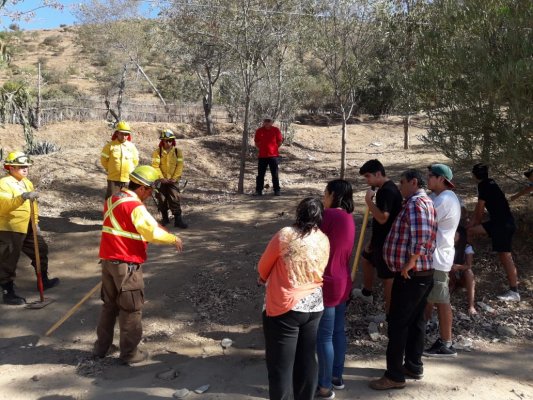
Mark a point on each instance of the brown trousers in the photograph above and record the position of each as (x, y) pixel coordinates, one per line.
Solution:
(114, 187)
(168, 198)
(14, 243)
(123, 297)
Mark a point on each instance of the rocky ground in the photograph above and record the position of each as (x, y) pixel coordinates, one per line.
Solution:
(208, 293)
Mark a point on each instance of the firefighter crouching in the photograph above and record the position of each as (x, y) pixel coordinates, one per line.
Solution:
(127, 228)
(119, 157)
(167, 159)
(16, 233)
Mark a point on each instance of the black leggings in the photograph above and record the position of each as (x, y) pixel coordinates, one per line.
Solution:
(290, 342)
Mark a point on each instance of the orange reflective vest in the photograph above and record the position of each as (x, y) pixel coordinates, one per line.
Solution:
(120, 239)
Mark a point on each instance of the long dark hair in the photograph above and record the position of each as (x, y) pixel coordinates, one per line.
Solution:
(460, 246)
(342, 194)
(308, 215)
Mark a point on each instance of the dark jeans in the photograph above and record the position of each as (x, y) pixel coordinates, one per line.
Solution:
(14, 243)
(262, 164)
(406, 325)
(290, 344)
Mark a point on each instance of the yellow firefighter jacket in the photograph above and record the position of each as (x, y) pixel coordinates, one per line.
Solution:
(169, 164)
(119, 160)
(14, 210)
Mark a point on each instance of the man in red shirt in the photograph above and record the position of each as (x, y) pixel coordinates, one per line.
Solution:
(267, 139)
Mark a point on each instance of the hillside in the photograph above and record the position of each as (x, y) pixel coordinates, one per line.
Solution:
(62, 60)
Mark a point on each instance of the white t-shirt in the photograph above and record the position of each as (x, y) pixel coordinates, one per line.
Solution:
(448, 210)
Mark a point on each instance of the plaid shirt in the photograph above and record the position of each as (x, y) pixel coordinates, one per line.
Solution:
(413, 232)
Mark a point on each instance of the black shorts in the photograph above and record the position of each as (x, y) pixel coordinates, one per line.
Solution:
(501, 234)
(376, 259)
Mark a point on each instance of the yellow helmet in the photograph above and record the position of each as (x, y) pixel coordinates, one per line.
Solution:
(18, 158)
(166, 134)
(145, 175)
(122, 126)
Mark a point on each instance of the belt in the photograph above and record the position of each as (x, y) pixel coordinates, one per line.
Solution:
(413, 273)
(422, 273)
(131, 266)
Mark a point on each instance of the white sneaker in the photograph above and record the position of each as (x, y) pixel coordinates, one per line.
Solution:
(509, 296)
(358, 293)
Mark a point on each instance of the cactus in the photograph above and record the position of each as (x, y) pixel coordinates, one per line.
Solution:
(5, 53)
(16, 100)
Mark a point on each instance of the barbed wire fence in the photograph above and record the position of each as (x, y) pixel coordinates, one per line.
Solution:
(93, 109)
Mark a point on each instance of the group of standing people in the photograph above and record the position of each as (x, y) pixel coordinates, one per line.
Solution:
(127, 229)
(119, 158)
(305, 267)
(306, 271)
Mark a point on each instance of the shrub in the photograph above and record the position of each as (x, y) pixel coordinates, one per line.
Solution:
(52, 93)
(52, 41)
(53, 76)
(42, 148)
(58, 51)
(72, 70)
(42, 60)
(70, 90)
(14, 27)
(12, 86)
(65, 90)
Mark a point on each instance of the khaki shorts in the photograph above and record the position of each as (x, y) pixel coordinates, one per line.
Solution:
(440, 294)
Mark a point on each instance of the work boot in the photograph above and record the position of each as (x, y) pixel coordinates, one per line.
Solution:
(165, 221)
(179, 223)
(140, 356)
(97, 353)
(9, 296)
(49, 283)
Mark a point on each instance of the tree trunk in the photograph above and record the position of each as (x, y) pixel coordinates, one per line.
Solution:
(244, 146)
(486, 141)
(343, 145)
(207, 100)
(208, 107)
(38, 108)
(406, 142)
(121, 89)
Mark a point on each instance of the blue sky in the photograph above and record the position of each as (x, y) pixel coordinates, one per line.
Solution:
(44, 18)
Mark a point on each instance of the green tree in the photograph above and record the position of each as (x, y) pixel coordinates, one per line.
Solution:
(344, 39)
(249, 34)
(475, 73)
(402, 24)
(195, 41)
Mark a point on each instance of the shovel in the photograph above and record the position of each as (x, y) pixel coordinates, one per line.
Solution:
(360, 244)
(43, 302)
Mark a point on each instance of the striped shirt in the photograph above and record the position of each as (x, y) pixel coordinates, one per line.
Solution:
(413, 232)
